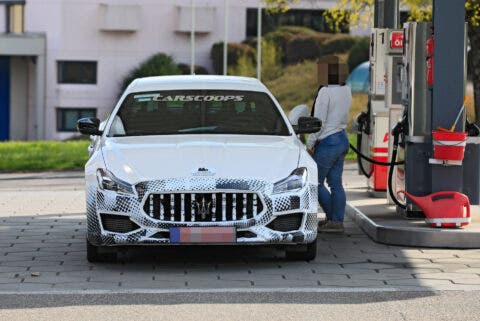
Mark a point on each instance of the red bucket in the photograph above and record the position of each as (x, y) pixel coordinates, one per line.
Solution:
(449, 145)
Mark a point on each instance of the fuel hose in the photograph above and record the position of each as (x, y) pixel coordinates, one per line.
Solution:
(392, 163)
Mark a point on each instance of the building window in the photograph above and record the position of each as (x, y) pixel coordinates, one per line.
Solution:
(312, 19)
(67, 117)
(14, 18)
(77, 72)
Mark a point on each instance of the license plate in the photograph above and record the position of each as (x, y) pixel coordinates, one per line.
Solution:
(202, 234)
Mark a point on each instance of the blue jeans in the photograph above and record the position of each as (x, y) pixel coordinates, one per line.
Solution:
(329, 155)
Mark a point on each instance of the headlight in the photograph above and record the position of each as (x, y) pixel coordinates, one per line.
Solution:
(297, 180)
(107, 181)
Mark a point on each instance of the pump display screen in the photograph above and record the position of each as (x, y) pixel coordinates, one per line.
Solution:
(397, 81)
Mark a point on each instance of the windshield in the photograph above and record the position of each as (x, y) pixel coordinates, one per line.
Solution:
(198, 112)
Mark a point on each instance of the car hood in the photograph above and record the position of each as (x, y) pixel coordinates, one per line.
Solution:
(135, 159)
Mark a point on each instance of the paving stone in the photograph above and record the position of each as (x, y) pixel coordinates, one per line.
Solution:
(53, 279)
(16, 258)
(468, 270)
(446, 276)
(353, 283)
(380, 276)
(22, 287)
(401, 271)
(435, 265)
(459, 260)
(471, 281)
(398, 260)
(336, 260)
(7, 280)
(421, 282)
(368, 266)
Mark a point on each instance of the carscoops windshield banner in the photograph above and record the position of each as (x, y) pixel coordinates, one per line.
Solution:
(159, 97)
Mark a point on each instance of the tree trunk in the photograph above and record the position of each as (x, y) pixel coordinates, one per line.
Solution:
(474, 64)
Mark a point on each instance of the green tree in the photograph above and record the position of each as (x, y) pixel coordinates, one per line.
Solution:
(361, 12)
(157, 65)
(271, 63)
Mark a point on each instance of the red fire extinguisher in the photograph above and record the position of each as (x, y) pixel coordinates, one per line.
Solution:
(430, 51)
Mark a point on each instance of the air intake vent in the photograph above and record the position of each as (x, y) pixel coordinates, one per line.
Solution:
(286, 223)
(117, 223)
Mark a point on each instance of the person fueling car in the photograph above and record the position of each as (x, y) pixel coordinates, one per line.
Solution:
(330, 145)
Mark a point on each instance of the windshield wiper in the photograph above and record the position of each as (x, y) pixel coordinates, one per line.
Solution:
(198, 129)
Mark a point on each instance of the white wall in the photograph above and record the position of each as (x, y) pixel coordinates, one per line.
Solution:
(2, 19)
(18, 98)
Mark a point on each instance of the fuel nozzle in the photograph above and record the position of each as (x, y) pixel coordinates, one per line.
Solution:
(362, 121)
(398, 130)
(472, 129)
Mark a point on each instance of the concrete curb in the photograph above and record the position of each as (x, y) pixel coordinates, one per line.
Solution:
(419, 237)
(41, 175)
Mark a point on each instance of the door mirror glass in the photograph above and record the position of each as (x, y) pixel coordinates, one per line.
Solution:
(308, 125)
(89, 126)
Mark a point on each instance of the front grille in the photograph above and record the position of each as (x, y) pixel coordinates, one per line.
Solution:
(117, 223)
(203, 207)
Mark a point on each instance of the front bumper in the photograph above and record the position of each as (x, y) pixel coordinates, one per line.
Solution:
(259, 229)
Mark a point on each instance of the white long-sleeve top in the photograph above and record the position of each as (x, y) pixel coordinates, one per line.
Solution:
(332, 107)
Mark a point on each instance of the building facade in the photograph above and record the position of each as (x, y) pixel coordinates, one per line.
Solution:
(65, 59)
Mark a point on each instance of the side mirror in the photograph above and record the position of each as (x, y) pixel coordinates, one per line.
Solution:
(89, 126)
(308, 125)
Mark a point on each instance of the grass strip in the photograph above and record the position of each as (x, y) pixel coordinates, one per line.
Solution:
(43, 155)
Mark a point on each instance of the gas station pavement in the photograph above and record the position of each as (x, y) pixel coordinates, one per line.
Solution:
(42, 249)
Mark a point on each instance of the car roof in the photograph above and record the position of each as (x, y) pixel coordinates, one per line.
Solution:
(195, 82)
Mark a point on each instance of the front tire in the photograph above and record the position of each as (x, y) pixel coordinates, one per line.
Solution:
(94, 255)
(303, 252)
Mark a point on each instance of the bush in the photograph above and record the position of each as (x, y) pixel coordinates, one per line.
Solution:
(281, 36)
(296, 85)
(185, 69)
(234, 52)
(359, 53)
(302, 48)
(157, 65)
(337, 44)
(308, 47)
(271, 60)
(245, 67)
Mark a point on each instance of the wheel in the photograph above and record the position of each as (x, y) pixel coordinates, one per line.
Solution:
(94, 254)
(303, 253)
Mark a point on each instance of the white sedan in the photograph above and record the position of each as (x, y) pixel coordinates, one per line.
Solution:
(199, 160)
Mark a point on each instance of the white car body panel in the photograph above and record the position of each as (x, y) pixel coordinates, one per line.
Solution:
(227, 155)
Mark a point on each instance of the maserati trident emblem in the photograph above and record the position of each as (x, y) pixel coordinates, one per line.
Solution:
(202, 208)
(203, 171)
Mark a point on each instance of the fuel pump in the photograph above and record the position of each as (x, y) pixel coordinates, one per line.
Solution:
(393, 91)
(374, 124)
(416, 98)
